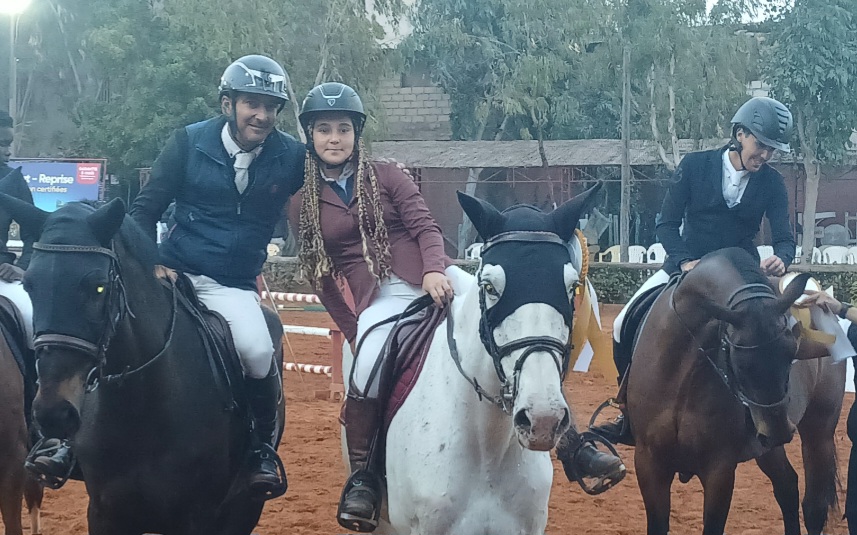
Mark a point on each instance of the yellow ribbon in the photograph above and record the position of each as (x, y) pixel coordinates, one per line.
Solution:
(586, 328)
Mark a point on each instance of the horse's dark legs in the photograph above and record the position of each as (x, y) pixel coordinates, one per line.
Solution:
(819, 462)
(655, 481)
(718, 482)
(11, 489)
(783, 477)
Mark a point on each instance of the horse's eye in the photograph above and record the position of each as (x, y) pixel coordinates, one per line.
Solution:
(99, 289)
(489, 288)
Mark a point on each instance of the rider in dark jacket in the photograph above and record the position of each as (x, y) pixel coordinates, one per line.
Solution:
(229, 177)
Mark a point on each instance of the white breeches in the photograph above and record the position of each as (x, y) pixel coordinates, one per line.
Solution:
(394, 295)
(244, 315)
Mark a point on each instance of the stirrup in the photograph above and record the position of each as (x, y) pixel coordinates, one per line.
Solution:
(267, 452)
(605, 482)
(51, 481)
(624, 436)
(353, 522)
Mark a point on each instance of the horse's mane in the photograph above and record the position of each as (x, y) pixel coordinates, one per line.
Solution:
(744, 263)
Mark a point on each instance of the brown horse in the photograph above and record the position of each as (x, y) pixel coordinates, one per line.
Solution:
(15, 483)
(712, 384)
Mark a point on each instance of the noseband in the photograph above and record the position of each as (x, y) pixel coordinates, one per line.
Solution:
(561, 352)
(115, 310)
(722, 363)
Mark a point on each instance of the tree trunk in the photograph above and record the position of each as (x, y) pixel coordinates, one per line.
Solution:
(808, 131)
(671, 124)
(625, 202)
(653, 119)
(296, 109)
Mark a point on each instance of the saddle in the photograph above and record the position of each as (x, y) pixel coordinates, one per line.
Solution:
(12, 329)
(405, 353)
(217, 339)
(634, 318)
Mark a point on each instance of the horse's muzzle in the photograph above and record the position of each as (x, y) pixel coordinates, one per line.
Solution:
(773, 427)
(540, 430)
(56, 420)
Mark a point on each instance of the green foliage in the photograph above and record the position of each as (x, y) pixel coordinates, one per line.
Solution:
(146, 68)
(811, 64)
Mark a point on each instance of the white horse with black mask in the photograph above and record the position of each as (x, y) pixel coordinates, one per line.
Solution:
(468, 452)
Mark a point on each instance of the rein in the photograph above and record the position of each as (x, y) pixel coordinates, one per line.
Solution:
(116, 309)
(723, 364)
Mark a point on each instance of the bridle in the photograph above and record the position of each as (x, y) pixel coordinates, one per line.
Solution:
(115, 311)
(722, 362)
(561, 352)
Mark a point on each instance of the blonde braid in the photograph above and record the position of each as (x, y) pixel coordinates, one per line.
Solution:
(376, 244)
(376, 236)
(313, 257)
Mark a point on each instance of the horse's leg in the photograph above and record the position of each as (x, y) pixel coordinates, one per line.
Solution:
(33, 494)
(775, 464)
(238, 517)
(817, 429)
(718, 482)
(11, 489)
(655, 481)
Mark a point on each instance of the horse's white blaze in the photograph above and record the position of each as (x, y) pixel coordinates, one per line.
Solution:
(541, 414)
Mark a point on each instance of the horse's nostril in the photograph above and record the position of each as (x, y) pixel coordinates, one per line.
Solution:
(522, 421)
(763, 440)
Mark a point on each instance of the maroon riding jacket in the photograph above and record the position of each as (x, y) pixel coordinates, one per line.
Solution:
(416, 243)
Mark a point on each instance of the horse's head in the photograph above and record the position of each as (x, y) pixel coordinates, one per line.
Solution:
(757, 348)
(73, 282)
(526, 287)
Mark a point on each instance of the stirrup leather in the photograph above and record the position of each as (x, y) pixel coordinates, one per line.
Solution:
(41, 450)
(605, 482)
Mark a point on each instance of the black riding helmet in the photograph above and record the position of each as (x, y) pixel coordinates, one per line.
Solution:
(255, 74)
(769, 120)
(332, 96)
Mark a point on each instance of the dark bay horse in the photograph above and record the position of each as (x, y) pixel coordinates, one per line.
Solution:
(15, 484)
(125, 375)
(712, 384)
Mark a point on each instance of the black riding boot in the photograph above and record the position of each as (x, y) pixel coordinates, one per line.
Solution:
(582, 461)
(51, 461)
(618, 431)
(360, 503)
(267, 476)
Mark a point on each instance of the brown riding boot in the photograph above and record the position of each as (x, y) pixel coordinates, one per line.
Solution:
(360, 503)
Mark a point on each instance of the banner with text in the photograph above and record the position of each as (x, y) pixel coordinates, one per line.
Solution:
(54, 184)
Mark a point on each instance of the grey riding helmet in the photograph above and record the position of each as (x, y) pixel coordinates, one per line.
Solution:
(769, 120)
(332, 96)
(255, 74)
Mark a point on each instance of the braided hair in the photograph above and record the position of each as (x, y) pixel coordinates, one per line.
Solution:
(315, 261)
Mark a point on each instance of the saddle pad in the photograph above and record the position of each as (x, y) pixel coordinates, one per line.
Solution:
(219, 347)
(634, 318)
(405, 353)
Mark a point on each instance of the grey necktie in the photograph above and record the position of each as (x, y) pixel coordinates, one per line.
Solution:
(242, 164)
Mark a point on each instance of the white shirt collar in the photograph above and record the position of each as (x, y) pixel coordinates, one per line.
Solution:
(232, 147)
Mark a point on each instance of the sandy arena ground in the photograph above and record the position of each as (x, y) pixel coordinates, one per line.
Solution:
(312, 456)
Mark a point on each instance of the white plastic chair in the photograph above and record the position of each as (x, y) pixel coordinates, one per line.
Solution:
(852, 252)
(765, 251)
(636, 254)
(656, 254)
(612, 252)
(835, 254)
(474, 252)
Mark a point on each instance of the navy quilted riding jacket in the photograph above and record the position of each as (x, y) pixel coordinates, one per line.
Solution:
(218, 232)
